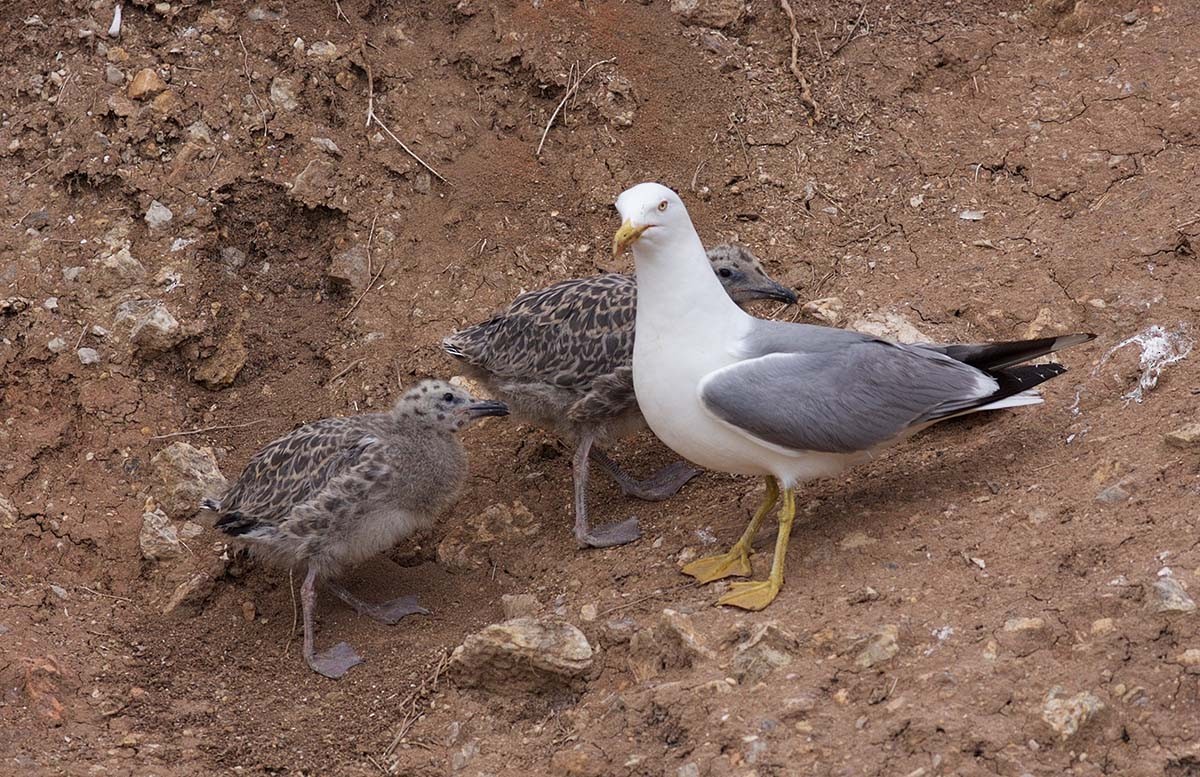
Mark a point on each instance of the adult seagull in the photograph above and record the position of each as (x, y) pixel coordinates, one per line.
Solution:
(786, 402)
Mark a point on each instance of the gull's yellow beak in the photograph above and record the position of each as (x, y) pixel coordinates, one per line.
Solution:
(626, 236)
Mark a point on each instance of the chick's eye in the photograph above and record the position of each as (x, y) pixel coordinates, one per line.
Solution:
(662, 205)
(448, 397)
(725, 272)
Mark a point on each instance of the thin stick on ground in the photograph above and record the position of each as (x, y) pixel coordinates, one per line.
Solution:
(806, 96)
(338, 5)
(850, 36)
(572, 87)
(370, 285)
(82, 335)
(372, 117)
(414, 704)
(345, 370)
(250, 83)
(106, 596)
(207, 429)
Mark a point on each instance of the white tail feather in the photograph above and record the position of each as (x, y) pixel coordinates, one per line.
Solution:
(1029, 397)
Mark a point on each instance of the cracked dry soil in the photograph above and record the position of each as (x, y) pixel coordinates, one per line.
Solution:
(943, 605)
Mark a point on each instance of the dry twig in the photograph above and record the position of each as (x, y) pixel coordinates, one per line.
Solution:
(337, 4)
(262, 112)
(372, 117)
(572, 87)
(106, 596)
(207, 429)
(345, 369)
(364, 293)
(806, 96)
(413, 705)
(850, 36)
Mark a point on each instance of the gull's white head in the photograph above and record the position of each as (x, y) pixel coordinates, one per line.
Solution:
(654, 217)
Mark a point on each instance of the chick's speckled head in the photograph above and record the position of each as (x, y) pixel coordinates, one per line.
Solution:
(743, 276)
(445, 406)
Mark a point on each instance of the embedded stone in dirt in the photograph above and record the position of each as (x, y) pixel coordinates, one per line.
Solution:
(185, 475)
(464, 545)
(190, 595)
(351, 268)
(222, 367)
(283, 93)
(158, 215)
(152, 328)
(524, 654)
(1066, 715)
(519, 605)
(827, 310)
(889, 325)
(1185, 436)
(145, 84)
(8, 513)
(158, 538)
(671, 643)
(764, 649)
(1171, 596)
(710, 13)
(882, 647)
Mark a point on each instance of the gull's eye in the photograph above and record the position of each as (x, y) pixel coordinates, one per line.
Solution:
(662, 205)
(725, 272)
(448, 397)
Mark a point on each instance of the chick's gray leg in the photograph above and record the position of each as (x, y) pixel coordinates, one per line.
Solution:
(388, 612)
(663, 484)
(605, 536)
(336, 661)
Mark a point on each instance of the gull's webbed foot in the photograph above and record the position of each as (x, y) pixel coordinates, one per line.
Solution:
(335, 662)
(391, 612)
(753, 595)
(611, 535)
(735, 563)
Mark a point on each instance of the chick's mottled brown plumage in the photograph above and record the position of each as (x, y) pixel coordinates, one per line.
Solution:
(337, 491)
(562, 358)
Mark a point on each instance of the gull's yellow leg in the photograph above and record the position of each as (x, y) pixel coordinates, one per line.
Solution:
(757, 594)
(737, 560)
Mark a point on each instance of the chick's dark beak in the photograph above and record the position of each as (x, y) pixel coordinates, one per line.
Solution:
(485, 407)
(764, 288)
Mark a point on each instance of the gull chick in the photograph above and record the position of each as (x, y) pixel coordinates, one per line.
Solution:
(561, 357)
(335, 492)
(786, 402)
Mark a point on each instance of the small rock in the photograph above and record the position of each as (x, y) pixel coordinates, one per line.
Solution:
(766, 648)
(1171, 596)
(971, 215)
(326, 145)
(890, 325)
(1102, 626)
(523, 654)
(671, 643)
(57, 345)
(689, 769)
(350, 268)
(323, 49)
(113, 74)
(166, 103)
(1185, 437)
(152, 328)
(464, 546)
(222, 367)
(1024, 624)
(158, 538)
(51, 303)
(8, 513)
(232, 258)
(248, 611)
(145, 84)
(123, 265)
(718, 14)
(190, 531)
(36, 219)
(1130, 17)
(158, 215)
(1189, 657)
(88, 356)
(1067, 715)
(827, 310)
(72, 273)
(588, 613)
(882, 647)
(58, 591)
(1114, 494)
(185, 475)
(520, 605)
(190, 595)
(283, 93)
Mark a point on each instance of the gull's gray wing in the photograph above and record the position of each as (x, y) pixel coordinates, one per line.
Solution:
(807, 388)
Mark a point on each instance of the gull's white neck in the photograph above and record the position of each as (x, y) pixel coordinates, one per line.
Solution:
(679, 294)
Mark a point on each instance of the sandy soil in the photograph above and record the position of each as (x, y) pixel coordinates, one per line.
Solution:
(942, 602)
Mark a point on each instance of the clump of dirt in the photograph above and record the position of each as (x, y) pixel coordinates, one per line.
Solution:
(204, 241)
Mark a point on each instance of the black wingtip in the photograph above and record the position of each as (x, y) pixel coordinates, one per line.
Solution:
(210, 504)
(452, 348)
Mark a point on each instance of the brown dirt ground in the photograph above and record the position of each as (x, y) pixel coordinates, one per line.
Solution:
(1072, 126)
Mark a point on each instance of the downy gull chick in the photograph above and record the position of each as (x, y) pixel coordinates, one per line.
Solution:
(561, 358)
(787, 402)
(337, 491)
